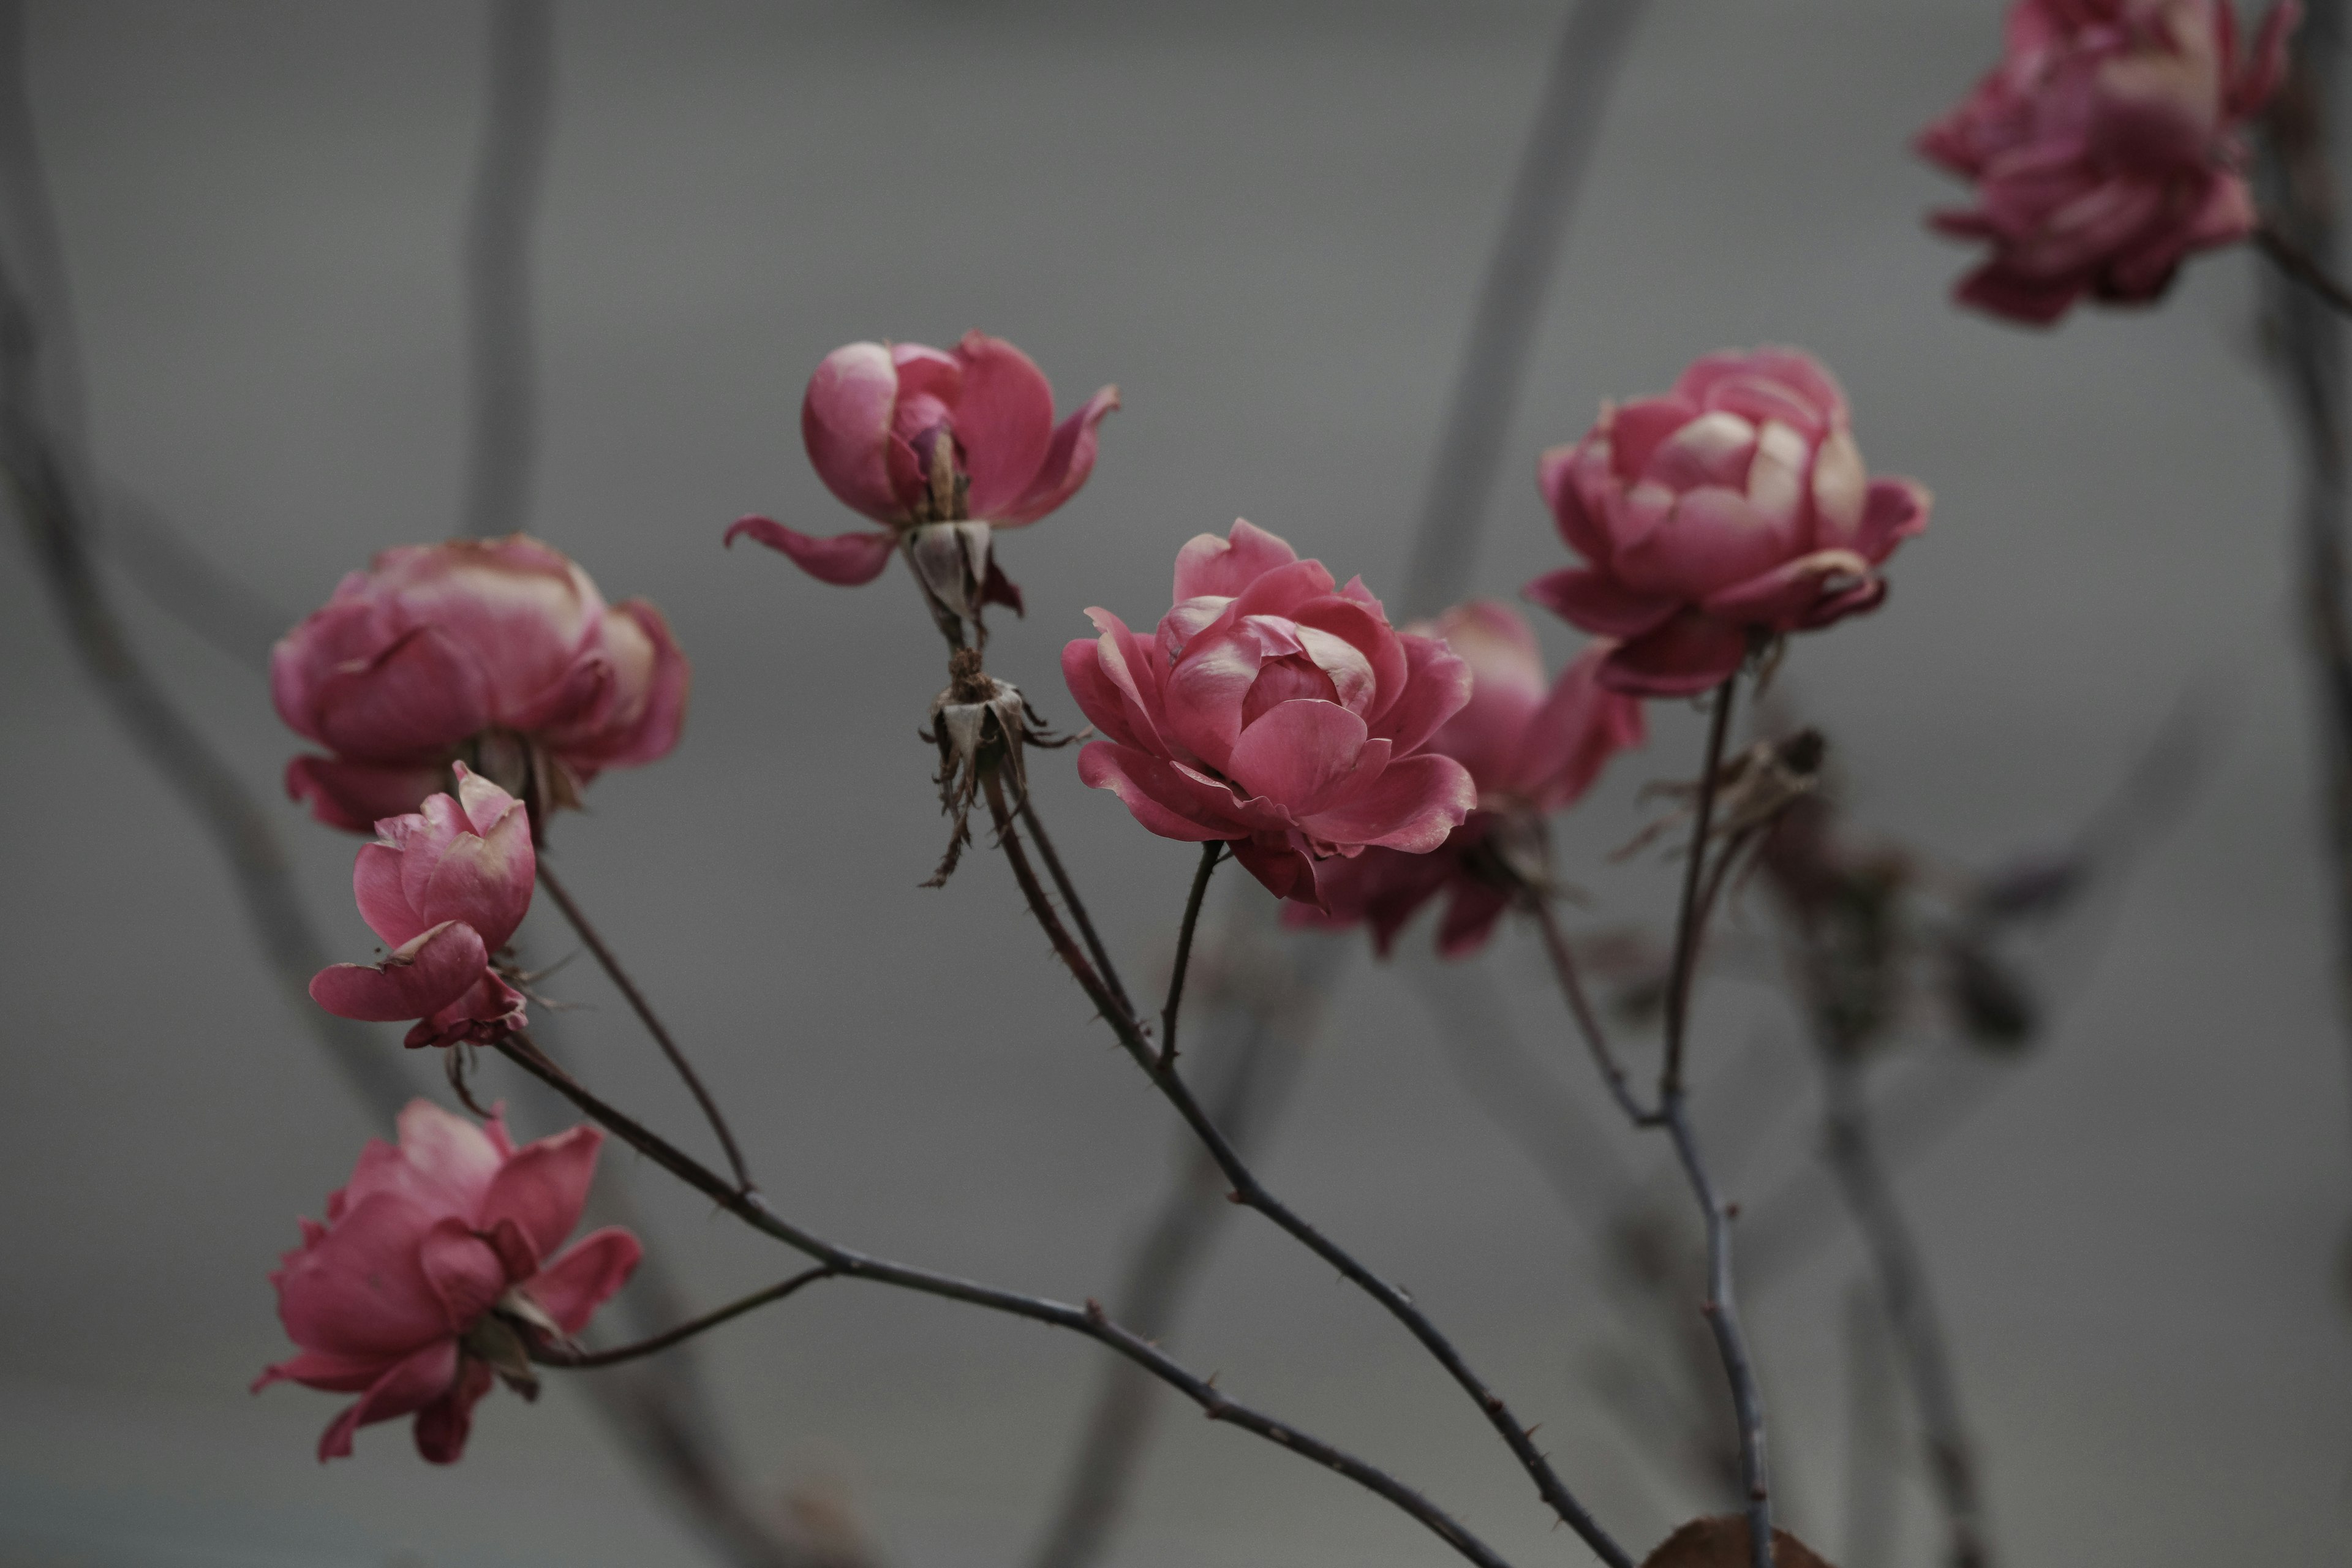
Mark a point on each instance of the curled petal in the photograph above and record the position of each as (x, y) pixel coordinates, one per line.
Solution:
(654, 672)
(442, 1425)
(845, 560)
(1163, 799)
(846, 424)
(1892, 510)
(544, 1186)
(1437, 687)
(1208, 566)
(1069, 460)
(1787, 596)
(1003, 421)
(1415, 802)
(572, 1287)
(421, 976)
(411, 1385)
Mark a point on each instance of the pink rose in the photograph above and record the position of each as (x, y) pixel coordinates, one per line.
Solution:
(445, 889)
(435, 1266)
(500, 652)
(2104, 148)
(1531, 751)
(913, 437)
(1736, 504)
(1273, 710)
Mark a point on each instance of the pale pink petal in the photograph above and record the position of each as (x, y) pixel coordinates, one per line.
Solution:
(1297, 752)
(584, 1278)
(443, 1163)
(421, 977)
(1713, 539)
(383, 903)
(1070, 459)
(1208, 566)
(845, 560)
(1637, 430)
(485, 881)
(845, 426)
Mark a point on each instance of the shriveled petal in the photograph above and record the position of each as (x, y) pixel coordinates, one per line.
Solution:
(845, 560)
(1785, 596)
(1412, 806)
(1224, 567)
(544, 1186)
(1297, 752)
(489, 1008)
(420, 695)
(846, 424)
(584, 1278)
(1691, 653)
(421, 977)
(1003, 421)
(412, 1384)
(1163, 799)
(1070, 459)
(1598, 603)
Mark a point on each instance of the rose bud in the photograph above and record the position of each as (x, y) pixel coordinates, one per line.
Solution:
(1275, 711)
(2105, 148)
(445, 889)
(1734, 507)
(1530, 750)
(499, 653)
(439, 1265)
(938, 448)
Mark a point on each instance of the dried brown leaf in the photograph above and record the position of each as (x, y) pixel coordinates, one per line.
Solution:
(1721, 1541)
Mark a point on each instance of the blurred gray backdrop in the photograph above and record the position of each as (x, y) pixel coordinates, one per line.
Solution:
(1266, 223)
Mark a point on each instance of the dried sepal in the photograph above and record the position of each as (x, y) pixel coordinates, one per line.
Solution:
(980, 725)
(955, 566)
(1752, 789)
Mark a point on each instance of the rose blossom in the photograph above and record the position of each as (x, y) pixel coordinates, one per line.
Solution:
(445, 888)
(498, 651)
(1736, 504)
(1530, 750)
(435, 1262)
(918, 440)
(1273, 710)
(2104, 148)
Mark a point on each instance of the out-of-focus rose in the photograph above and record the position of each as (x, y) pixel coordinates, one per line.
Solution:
(1274, 710)
(928, 444)
(1531, 751)
(1736, 504)
(2105, 148)
(445, 889)
(437, 1265)
(495, 652)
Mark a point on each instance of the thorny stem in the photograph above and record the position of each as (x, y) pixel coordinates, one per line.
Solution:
(564, 1356)
(645, 1015)
(1910, 1311)
(751, 1208)
(1209, 854)
(1250, 1192)
(1686, 926)
(1070, 901)
(2300, 265)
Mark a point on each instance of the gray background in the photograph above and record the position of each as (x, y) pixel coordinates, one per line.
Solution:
(1265, 225)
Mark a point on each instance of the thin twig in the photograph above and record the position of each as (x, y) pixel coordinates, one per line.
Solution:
(1070, 900)
(564, 1356)
(1722, 1310)
(1580, 1007)
(1873, 1436)
(502, 433)
(752, 1209)
(1686, 925)
(1910, 1310)
(1592, 43)
(645, 1015)
(1209, 853)
(2298, 264)
(1248, 1191)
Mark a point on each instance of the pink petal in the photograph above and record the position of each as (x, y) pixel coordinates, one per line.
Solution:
(654, 677)
(1507, 688)
(1203, 695)
(544, 1186)
(1224, 567)
(1997, 290)
(421, 694)
(1003, 421)
(845, 560)
(1581, 726)
(355, 795)
(1597, 602)
(412, 1384)
(1297, 752)
(382, 901)
(1103, 703)
(1557, 473)
(1712, 539)
(2266, 64)
(1163, 798)
(442, 1425)
(1892, 510)
(485, 881)
(1437, 687)
(845, 426)
(1637, 430)
(1784, 596)
(1070, 459)
(443, 1163)
(1412, 806)
(489, 1008)
(360, 1289)
(1470, 917)
(1365, 629)
(465, 1273)
(572, 1287)
(1689, 654)
(326, 1371)
(422, 976)
(1280, 866)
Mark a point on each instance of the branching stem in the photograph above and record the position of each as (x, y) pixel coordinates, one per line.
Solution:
(2300, 265)
(1686, 926)
(564, 1356)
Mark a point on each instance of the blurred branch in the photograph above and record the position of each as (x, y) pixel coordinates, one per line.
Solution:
(2306, 344)
(1872, 1436)
(502, 443)
(1592, 45)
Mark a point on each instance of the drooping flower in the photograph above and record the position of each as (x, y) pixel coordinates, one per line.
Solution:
(1736, 505)
(438, 1264)
(1530, 750)
(499, 653)
(445, 888)
(2105, 148)
(939, 448)
(1273, 710)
